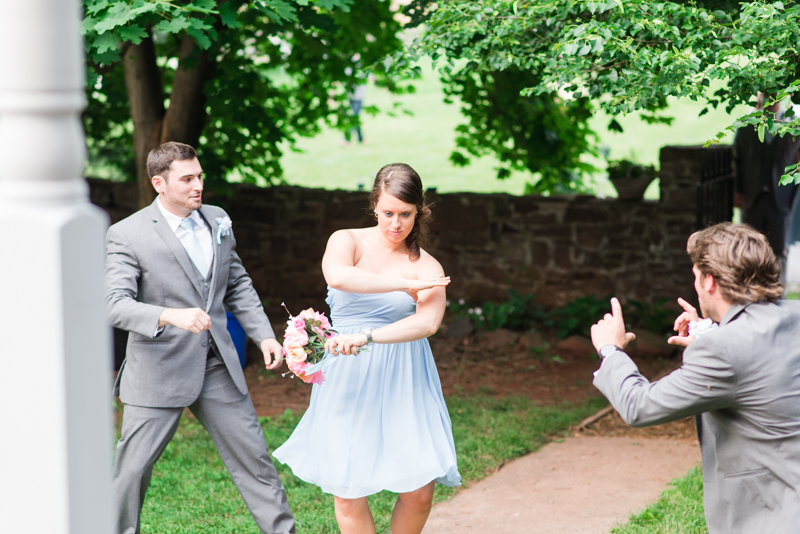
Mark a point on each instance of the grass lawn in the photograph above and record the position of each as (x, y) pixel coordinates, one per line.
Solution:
(425, 138)
(191, 492)
(679, 510)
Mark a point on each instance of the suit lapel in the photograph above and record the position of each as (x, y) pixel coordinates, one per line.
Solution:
(214, 228)
(174, 245)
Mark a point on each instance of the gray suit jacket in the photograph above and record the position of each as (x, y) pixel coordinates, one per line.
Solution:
(147, 270)
(743, 380)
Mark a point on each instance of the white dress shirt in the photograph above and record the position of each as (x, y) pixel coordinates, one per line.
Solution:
(201, 230)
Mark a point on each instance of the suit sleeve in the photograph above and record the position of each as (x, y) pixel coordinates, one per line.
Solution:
(705, 381)
(243, 301)
(122, 274)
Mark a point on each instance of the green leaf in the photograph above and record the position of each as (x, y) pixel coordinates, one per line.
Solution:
(228, 16)
(106, 42)
(96, 6)
(176, 25)
(133, 33)
(761, 129)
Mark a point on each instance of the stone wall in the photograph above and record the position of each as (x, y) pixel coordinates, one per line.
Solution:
(557, 248)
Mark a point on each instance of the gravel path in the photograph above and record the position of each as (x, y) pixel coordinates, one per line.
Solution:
(584, 484)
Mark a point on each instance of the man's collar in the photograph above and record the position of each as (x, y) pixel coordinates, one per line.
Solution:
(732, 312)
(173, 220)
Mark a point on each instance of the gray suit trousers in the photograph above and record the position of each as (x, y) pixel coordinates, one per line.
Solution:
(230, 418)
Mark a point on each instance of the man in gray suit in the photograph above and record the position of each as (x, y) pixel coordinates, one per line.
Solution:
(741, 379)
(169, 269)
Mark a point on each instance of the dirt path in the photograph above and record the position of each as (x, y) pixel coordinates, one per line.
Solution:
(584, 484)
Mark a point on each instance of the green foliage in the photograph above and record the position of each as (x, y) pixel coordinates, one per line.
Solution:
(620, 168)
(578, 316)
(280, 69)
(192, 492)
(521, 313)
(542, 134)
(655, 318)
(630, 55)
(679, 510)
(517, 313)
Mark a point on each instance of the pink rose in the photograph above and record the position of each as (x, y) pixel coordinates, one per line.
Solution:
(296, 354)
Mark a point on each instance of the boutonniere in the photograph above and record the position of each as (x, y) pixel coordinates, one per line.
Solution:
(224, 225)
(703, 326)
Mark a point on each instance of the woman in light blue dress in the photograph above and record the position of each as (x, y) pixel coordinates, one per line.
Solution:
(379, 421)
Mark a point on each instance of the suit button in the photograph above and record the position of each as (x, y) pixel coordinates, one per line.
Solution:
(204, 343)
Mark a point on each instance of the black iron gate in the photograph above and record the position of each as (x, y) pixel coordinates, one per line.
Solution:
(715, 187)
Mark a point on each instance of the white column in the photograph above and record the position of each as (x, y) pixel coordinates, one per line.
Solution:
(55, 349)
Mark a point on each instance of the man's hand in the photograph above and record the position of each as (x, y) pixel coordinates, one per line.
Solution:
(194, 320)
(682, 325)
(273, 353)
(610, 330)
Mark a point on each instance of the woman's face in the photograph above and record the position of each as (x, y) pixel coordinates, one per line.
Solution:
(395, 217)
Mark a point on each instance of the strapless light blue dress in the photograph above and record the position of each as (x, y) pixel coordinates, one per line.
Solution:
(379, 421)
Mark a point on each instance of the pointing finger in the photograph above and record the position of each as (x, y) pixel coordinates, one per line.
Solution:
(616, 308)
(686, 306)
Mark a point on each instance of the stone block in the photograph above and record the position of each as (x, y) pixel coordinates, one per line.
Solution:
(461, 327)
(579, 346)
(500, 338)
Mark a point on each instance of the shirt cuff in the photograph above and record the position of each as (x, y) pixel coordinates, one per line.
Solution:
(158, 330)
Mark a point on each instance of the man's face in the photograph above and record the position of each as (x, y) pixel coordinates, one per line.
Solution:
(701, 286)
(182, 193)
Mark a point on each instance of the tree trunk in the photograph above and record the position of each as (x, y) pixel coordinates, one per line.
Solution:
(152, 123)
(187, 107)
(146, 95)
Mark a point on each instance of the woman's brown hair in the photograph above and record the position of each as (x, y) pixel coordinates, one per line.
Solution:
(402, 182)
(740, 260)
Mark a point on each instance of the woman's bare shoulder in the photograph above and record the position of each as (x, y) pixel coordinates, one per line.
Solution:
(351, 235)
(427, 265)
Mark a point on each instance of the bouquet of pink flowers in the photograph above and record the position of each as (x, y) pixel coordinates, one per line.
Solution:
(304, 344)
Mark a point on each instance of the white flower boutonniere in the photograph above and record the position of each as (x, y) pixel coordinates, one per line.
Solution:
(224, 228)
(703, 326)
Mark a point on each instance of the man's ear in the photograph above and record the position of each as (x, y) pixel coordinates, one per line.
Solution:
(710, 284)
(158, 183)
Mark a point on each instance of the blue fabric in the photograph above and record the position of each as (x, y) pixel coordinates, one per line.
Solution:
(379, 421)
(238, 336)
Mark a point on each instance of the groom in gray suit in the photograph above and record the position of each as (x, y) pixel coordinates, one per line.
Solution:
(169, 269)
(740, 378)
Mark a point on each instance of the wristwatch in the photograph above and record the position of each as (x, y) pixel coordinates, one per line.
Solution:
(606, 350)
(368, 333)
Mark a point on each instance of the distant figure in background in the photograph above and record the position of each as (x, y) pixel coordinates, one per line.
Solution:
(766, 205)
(357, 96)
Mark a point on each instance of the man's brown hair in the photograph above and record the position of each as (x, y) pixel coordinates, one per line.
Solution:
(740, 260)
(161, 157)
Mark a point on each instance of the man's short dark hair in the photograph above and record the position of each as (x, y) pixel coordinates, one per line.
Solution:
(740, 260)
(161, 157)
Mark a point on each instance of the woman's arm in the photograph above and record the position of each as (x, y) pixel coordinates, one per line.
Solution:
(338, 267)
(425, 322)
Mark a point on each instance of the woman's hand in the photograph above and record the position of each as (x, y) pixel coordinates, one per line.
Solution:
(346, 343)
(415, 286)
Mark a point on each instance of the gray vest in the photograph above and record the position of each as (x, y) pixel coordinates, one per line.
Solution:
(205, 284)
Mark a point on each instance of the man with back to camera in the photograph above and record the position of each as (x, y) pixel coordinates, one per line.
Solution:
(741, 380)
(169, 269)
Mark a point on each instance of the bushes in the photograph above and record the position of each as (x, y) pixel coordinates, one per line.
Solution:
(520, 313)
